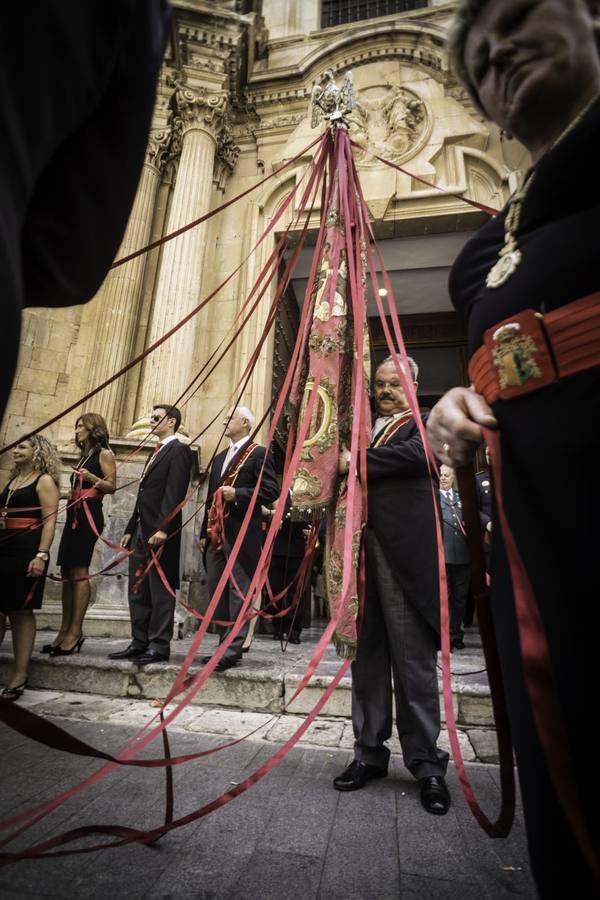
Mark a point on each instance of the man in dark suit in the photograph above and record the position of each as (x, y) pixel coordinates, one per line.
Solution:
(74, 122)
(399, 630)
(456, 553)
(154, 526)
(234, 474)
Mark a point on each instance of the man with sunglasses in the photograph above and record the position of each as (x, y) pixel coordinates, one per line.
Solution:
(155, 532)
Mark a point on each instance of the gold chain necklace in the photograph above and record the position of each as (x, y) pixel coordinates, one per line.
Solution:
(81, 463)
(510, 256)
(18, 483)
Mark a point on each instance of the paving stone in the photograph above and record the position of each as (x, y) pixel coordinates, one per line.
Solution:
(323, 732)
(268, 870)
(83, 706)
(137, 713)
(347, 738)
(231, 722)
(468, 753)
(31, 698)
(485, 744)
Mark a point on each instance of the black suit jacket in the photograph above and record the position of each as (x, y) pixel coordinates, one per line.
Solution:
(245, 484)
(163, 486)
(455, 542)
(401, 514)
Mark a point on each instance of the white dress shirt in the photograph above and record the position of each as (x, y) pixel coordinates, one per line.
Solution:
(233, 449)
(382, 422)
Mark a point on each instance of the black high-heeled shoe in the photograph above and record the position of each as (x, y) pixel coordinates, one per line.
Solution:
(76, 648)
(48, 648)
(10, 694)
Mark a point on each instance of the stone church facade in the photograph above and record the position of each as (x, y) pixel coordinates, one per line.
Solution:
(233, 105)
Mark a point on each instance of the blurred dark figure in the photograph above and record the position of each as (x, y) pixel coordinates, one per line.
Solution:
(289, 548)
(74, 120)
(456, 554)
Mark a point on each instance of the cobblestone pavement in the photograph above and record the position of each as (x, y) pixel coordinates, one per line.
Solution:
(291, 835)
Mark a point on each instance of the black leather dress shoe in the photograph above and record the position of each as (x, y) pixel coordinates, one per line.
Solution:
(457, 643)
(130, 652)
(435, 797)
(151, 656)
(227, 663)
(294, 639)
(356, 776)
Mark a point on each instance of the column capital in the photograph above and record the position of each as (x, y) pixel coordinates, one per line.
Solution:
(157, 150)
(198, 108)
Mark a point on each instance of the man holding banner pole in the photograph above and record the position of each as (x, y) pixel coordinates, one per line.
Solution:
(399, 632)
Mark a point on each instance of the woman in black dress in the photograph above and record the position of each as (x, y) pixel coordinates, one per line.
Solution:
(533, 67)
(92, 478)
(28, 506)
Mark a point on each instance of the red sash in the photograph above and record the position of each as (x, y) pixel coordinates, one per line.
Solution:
(13, 522)
(78, 498)
(218, 512)
(384, 436)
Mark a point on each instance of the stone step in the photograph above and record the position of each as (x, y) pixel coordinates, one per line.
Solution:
(264, 682)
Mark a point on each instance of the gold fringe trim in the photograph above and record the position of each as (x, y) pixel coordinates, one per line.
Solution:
(311, 514)
(344, 648)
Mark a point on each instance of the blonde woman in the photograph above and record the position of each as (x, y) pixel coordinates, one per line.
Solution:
(28, 507)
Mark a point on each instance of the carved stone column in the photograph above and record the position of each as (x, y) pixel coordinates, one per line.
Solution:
(200, 116)
(120, 294)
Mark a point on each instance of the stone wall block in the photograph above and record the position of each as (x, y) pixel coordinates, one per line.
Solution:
(339, 704)
(37, 381)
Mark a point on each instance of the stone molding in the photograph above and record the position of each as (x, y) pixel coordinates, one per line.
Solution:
(226, 156)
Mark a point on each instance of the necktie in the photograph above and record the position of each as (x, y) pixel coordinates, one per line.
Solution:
(158, 447)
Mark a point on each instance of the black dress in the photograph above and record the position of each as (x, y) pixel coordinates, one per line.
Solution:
(17, 548)
(551, 493)
(78, 540)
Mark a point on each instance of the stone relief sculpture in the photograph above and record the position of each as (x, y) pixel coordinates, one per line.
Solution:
(390, 121)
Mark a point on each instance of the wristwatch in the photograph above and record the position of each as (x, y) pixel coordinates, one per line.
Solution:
(43, 554)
